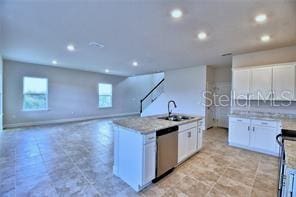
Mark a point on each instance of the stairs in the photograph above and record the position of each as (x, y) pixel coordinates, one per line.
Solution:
(152, 95)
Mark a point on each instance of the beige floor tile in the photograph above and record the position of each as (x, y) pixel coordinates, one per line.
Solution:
(262, 193)
(244, 176)
(78, 159)
(266, 182)
(232, 188)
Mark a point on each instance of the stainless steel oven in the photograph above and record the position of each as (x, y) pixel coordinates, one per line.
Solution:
(287, 177)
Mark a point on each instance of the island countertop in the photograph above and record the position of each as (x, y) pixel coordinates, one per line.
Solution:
(290, 153)
(146, 125)
(288, 123)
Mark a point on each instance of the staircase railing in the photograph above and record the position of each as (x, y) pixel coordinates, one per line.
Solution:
(150, 95)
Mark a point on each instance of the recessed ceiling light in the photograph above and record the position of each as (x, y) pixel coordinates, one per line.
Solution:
(107, 70)
(71, 47)
(265, 38)
(260, 18)
(135, 63)
(95, 44)
(202, 35)
(54, 62)
(176, 13)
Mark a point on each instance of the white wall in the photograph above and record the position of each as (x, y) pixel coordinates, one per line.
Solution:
(72, 94)
(1, 93)
(186, 87)
(279, 55)
(222, 86)
(210, 109)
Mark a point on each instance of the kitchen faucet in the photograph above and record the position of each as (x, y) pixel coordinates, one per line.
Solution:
(169, 110)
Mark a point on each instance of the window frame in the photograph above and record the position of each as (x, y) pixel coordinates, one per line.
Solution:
(46, 95)
(98, 89)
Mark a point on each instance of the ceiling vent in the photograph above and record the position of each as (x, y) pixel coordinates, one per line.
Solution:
(95, 44)
(226, 54)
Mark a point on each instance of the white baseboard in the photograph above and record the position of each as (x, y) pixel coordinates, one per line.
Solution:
(67, 120)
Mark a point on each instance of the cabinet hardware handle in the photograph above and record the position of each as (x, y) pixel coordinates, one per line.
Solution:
(248, 128)
(189, 134)
(264, 123)
(239, 120)
(253, 128)
(150, 138)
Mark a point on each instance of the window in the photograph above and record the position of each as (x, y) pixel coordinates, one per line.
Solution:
(105, 95)
(34, 94)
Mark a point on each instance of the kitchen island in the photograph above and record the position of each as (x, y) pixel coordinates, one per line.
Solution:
(146, 148)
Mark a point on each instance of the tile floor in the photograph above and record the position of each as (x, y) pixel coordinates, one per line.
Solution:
(76, 160)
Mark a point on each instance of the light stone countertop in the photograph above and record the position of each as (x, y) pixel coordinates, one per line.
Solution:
(288, 123)
(290, 153)
(149, 124)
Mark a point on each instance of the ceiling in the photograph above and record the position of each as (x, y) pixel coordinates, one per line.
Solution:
(142, 30)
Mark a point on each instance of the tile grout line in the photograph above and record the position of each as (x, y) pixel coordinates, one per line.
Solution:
(44, 163)
(217, 180)
(255, 175)
(14, 162)
(82, 173)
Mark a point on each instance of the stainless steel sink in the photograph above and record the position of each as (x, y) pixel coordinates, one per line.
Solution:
(176, 118)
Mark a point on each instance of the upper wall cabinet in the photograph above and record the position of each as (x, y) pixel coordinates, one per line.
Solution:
(261, 84)
(241, 83)
(272, 82)
(284, 82)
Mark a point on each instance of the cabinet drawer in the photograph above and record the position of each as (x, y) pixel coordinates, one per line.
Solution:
(266, 123)
(149, 138)
(187, 126)
(242, 120)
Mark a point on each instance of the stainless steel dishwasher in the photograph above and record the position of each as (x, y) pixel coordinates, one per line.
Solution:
(167, 151)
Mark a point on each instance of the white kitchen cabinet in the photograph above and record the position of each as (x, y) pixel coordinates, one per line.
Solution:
(199, 137)
(261, 83)
(149, 162)
(192, 140)
(239, 131)
(188, 142)
(263, 138)
(182, 146)
(284, 82)
(254, 134)
(240, 83)
(269, 82)
(134, 157)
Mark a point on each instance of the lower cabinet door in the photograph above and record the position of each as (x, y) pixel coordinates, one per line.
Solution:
(149, 167)
(239, 133)
(182, 145)
(192, 140)
(199, 138)
(263, 138)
